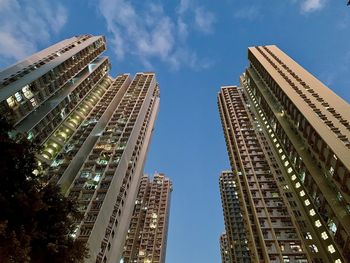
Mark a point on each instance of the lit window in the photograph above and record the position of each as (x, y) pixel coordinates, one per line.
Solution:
(277, 145)
(30, 136)
(97, 177)
(318, 223)
(286, 163)
(32, 100)
(294, 177)
(18, 96)
(280, 150)
(55, 145)
(339, 196)
(307, 202)
(308, 235)
(324, 235)
(337, 261)
(154, 215)
(283, 157)
(289, 170)
(297, 185)
(11, 102)
(314, 248)
(332, 226)
(295, 247)
(27, 92)
(312, 212)
(331, 249)
(50, 150)
(45, 156)
(302, 193)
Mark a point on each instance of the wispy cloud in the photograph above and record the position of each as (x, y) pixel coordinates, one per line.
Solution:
(26, 24)
(204, 20)
(248, 12)
(147, 32)
(308, 6)
(183, 6)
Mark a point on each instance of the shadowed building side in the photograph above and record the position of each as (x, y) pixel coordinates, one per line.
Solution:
(94, 130)
(224, 249)
(235, 239)
(287, 137)
(147, 235)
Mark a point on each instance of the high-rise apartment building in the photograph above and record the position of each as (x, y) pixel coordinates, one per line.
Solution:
(38, 93)
(224, 249)
(94, 131)
(287, 137)
(147, 236)
(236, 249)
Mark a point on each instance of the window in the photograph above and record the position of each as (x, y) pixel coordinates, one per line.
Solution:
(30, 136)
(27, 92)
(11, 102)
(308, 235)
(18, 96)
(332, 226)
(313, 248)
(318, 223)
(32, 100)
(331, 249)
(324, 235)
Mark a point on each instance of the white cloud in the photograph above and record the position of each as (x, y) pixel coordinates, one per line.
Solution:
(147, 32)
(183, 6)
(312, 5)
(204, 20)
(25, 25)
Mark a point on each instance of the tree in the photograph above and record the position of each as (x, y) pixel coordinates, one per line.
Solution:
(36, 221)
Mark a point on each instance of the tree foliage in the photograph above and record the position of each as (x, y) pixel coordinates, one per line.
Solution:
(36, 220)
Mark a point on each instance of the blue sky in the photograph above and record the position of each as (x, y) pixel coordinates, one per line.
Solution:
(194, 47)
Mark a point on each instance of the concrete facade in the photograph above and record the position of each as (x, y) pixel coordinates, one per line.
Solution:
(94, 130)
(288, 140)
(234, 241)
(147, 235)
